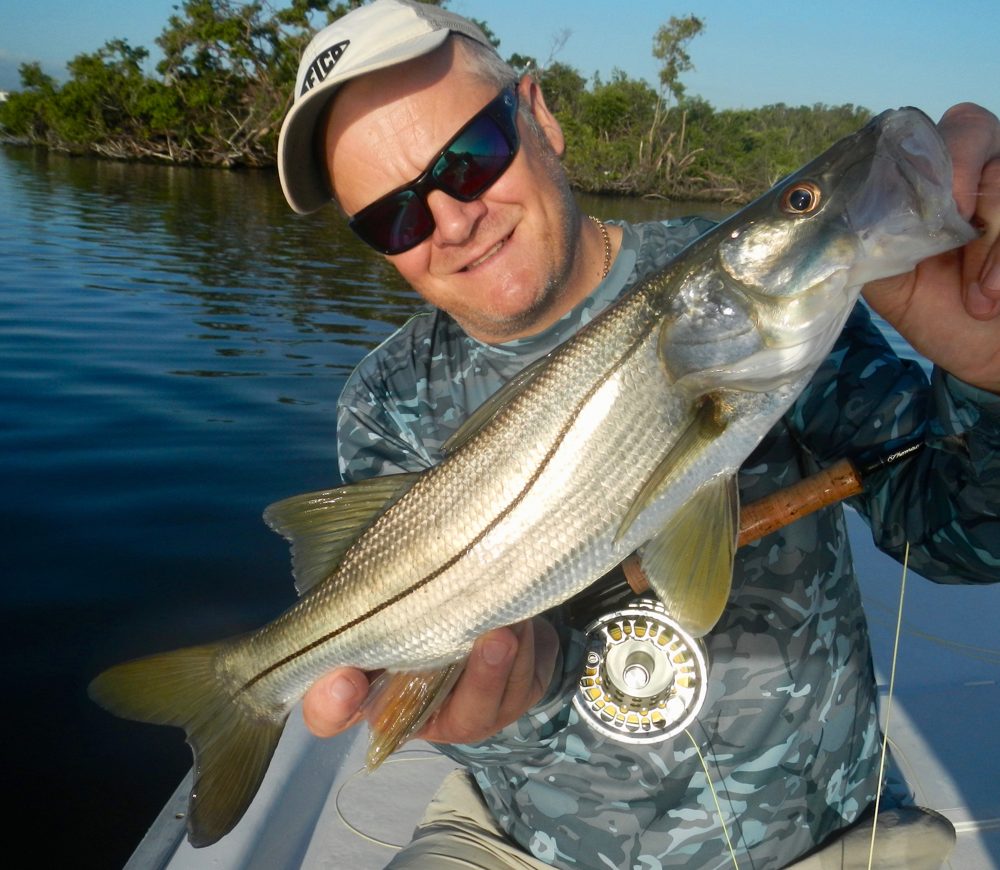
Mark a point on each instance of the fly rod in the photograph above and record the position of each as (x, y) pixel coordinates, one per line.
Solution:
(840, 481)
(644, 677)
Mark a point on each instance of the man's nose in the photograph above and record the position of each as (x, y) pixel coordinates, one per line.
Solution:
(455, 221)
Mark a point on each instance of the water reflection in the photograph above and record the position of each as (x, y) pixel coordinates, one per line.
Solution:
(174, 343)
(225, 241)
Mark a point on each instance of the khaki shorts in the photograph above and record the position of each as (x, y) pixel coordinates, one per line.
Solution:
(457, 830)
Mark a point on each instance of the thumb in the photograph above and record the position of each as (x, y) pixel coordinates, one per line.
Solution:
(333, 702)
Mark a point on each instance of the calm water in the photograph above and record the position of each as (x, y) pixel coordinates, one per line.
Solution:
(173, 345)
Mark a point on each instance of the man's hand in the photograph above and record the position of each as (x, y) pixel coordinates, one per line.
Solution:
(508, 671)
(948, 308)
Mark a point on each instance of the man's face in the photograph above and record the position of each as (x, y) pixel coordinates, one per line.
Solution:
(503, 265)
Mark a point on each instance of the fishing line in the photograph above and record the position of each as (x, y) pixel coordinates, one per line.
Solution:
(394, 759)
(912, 778)
(985, 654)
(888, 704)
(715, 798)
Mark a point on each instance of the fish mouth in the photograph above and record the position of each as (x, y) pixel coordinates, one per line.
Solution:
(905, 204)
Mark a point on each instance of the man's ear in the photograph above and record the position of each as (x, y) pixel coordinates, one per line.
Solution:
(531, 96)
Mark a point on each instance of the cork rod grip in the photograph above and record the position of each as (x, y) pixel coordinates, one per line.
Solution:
(768, 514)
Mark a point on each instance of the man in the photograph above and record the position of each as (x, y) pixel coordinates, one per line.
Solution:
(513, 269)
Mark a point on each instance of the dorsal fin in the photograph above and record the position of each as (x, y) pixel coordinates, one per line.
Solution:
(493, 405)
(321, 526)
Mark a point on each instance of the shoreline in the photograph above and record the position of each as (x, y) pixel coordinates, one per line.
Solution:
(88, 154)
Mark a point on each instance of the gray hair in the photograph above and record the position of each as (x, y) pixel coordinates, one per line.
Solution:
(484, 62)
(486, 65)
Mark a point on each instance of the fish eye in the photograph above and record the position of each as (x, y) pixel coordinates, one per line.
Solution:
(802, 197)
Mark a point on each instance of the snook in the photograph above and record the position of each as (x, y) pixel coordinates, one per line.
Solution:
(628, 436)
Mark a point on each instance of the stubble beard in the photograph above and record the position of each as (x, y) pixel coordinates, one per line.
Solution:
(551, 293)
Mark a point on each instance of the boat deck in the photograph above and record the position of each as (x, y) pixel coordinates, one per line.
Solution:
(317, 809)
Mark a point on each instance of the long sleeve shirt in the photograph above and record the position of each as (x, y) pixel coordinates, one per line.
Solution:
(789, 731)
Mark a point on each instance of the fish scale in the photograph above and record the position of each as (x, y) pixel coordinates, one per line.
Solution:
(498, 561)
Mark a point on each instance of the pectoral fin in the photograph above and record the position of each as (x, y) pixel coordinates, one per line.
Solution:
(689, 565)
(707, 423)
(399, 704)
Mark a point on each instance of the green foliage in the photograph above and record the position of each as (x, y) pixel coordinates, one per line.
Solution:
(26, 112)
(608, 131)
(619, 109)
(746, 151)
(224, 84)
(623, 137)
(670, 48)
(564, 87)
(103, 100)
(228, 72)
(230, 68)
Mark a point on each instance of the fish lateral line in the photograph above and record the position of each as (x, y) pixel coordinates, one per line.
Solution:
(450, 563)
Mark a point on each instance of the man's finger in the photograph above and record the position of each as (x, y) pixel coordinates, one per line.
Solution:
(472, 711)
(972, 135)
(333, 702)
(531, 672)
(987, 217)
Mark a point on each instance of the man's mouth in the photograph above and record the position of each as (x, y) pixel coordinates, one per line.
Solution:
(489, 253)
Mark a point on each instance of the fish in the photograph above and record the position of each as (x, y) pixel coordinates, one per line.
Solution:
(624, 440)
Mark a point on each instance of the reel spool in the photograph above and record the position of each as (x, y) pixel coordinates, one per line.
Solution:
(645, 679)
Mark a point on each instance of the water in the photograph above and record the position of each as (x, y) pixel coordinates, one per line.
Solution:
(173, 342)
(173, 345)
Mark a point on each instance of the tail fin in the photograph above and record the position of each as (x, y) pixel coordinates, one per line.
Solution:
(232, 744)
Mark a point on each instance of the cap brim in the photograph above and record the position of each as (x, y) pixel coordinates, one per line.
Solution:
(302, 177)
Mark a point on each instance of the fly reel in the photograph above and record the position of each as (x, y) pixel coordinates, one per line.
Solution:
(644, 679)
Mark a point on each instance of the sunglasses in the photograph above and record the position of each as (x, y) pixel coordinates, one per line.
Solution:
(474, 158)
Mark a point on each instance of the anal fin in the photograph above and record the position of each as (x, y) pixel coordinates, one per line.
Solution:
(400, 703)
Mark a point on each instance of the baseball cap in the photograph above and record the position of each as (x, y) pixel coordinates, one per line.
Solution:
(372, 37)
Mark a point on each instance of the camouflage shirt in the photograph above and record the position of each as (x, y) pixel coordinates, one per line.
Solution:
(789, 730)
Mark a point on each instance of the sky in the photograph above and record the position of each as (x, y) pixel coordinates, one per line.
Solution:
(874, 53)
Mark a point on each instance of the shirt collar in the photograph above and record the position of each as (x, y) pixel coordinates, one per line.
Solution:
(603, 295)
